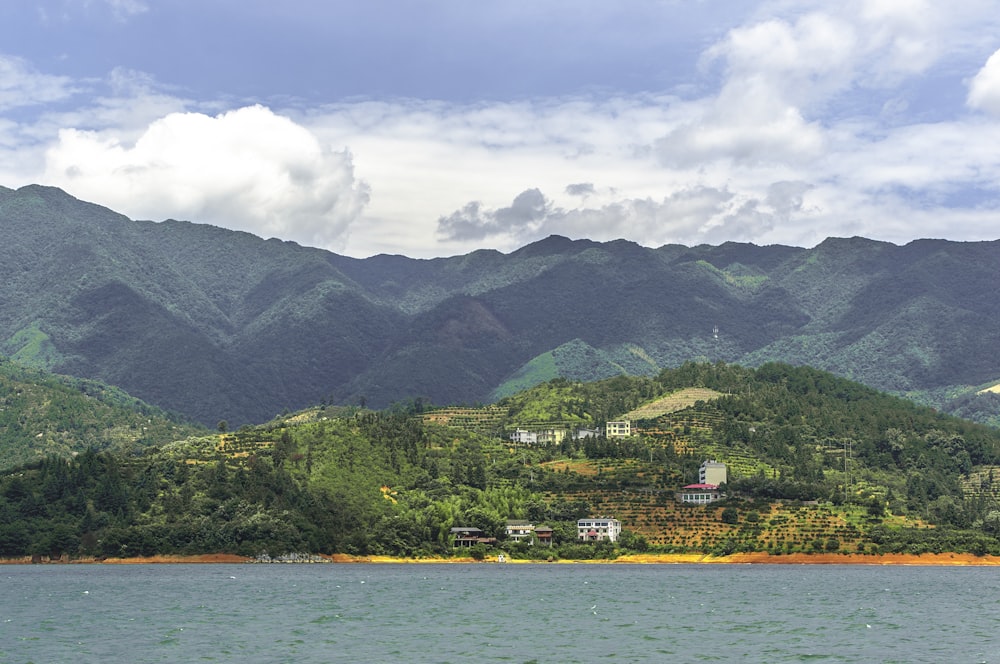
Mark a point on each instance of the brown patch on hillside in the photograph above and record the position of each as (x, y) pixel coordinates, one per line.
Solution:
(672, 403)
(588, 468)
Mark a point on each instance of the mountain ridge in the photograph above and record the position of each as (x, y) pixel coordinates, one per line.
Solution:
(221, 324)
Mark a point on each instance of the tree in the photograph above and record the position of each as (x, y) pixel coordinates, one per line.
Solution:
(730, 516)
(632, 541)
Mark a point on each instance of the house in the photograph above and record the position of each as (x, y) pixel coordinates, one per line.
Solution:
(538, 437)
(524, 437)
(551, 436)
(596, 529)
(544, 535)
(469, 537)
(712, 472)
(520, 531)
(700, 494)
(584, 432)
(619, 429)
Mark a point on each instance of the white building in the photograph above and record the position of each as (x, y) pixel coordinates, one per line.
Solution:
(519, 531)
(597, 529)
(712, 472)
(524, 437)
(700, 494)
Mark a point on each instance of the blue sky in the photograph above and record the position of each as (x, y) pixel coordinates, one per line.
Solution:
(440, 127)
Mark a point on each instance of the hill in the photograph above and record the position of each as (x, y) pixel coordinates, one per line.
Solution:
(222, 325)
(817, 463)
(44, 415)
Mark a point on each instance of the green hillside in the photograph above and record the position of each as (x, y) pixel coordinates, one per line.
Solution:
(43, 415)
(817, 463)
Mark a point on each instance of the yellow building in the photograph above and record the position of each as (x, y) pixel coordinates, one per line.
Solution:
(619, 429)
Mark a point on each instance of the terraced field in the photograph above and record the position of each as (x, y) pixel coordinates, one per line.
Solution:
(778, 528)
(983, 481)
(672, 403)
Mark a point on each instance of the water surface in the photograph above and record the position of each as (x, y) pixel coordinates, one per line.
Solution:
(498, 613)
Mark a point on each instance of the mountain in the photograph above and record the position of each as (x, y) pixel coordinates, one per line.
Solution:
(222, 325)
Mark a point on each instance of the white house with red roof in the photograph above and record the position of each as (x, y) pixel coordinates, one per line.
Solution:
(700, 494)
(595, 529)
(711, 474)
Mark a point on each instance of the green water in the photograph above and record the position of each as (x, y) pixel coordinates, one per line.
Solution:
(498, 613)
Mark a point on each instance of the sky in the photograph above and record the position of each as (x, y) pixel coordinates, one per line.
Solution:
(439, 127)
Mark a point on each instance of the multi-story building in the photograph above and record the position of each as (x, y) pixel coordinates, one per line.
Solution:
(519, 531)
(712, 472)
(619, 429)
(595, 529)
(524, 437)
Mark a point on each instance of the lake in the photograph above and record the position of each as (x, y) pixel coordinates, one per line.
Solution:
(498, 613)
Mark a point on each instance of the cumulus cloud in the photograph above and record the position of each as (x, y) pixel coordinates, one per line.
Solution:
(781, 74)
(806, 119)
(693, 215)
(248, 169)
(473, 222)
(984, 92)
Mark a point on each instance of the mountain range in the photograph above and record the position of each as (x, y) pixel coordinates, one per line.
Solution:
(222, 325)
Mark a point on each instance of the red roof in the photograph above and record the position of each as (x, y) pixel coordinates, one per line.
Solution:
(703, 487)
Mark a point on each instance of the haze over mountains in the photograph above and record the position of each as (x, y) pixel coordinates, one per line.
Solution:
(217, 324)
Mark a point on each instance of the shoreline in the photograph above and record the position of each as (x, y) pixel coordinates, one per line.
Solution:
(757, 558)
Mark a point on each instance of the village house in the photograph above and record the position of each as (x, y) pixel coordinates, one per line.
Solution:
(551, 436)
(544, 535)
(619, 429)
(524, 437)
(520, 531)
(538, 437)
(469, 537)
(596, 529)
(700, 494)
(712, 472)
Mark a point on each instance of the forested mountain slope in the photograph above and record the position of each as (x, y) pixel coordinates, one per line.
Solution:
(43, 415)
(220, 325)
(816, 463)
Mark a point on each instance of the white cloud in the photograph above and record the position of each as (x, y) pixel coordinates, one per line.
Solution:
(808, 120)
(984, 92)
(21, 85)
(124, 9)
(248, 169)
